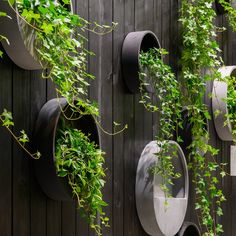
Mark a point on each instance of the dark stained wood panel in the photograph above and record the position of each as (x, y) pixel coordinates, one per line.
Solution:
(24, 209)
(6, 150)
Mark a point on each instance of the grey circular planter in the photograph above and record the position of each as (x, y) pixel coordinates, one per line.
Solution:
(155, 217)
(189, 229)
(22, 48)
(134, 43)
(223, 125)
(57, 188)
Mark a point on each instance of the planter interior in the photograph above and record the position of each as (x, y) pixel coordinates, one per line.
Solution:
(189, 229)
(155, 217)
(53, 186)
(219, 9)
(185, 133)
(134, 43)
(22, 48)
(222, 123)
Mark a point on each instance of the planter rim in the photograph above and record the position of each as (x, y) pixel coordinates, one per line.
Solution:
(153, 216)
(133, 43)
(185, 226)
(222, 123)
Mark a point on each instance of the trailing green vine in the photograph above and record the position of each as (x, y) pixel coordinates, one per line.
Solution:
(154, 72)
(59, 45)
(7, 122)
(200, 52)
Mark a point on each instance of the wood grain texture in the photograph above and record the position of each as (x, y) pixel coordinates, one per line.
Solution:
(5, 149)
(20, 161)
(24, 209)
(101, 67)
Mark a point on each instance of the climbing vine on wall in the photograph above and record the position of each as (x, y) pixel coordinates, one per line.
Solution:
(200, 61)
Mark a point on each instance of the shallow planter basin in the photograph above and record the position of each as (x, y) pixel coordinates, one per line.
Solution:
(134, 43)
(189, 229)
(222, 123)
(56, 188)
(156, 218)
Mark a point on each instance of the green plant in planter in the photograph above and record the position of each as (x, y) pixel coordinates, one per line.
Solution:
(231, 101)
(154, 72)
(200, 52)
(60, 48)
(2, 37)
(81, 161)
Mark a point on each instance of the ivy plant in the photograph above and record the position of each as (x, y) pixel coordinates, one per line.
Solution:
(231, 102)
(59, 46)
(155, 73)
(81, 161)
(200, 52)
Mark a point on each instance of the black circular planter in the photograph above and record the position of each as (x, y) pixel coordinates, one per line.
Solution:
(22, 47)
(53, 186)
(189, 229)
(134, 43)
(185, 132)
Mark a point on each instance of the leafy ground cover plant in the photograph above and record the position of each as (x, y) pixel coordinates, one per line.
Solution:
(154, 72)
(81, 161)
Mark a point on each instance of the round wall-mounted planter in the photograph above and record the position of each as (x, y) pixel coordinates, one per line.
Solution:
(156, 218)
(22, 47)
(222, 123)
(56, 187)
(185, 132)
(134, 43)
(189, 229)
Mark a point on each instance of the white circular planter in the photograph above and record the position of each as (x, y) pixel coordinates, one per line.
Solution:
(22, 47)
(156, 218)
(223, 125)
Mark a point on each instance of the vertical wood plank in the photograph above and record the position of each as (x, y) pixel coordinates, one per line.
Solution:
(118, 110)
(101, 90)
(21, 180)
(128, 106)
(82, 8)
(54, 208)
(5, 149)
(38, 199)
(142, 118)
